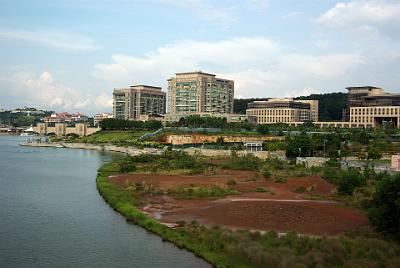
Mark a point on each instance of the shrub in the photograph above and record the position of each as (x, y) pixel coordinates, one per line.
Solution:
(266, 174)
(126, 165)
(385, 208)
(231, 182)
(350, 180)
(301, 189)
(261, 190)
(280, 180)
(247, 162)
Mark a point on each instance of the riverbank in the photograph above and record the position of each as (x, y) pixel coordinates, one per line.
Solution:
(239, 248)
(86, 146)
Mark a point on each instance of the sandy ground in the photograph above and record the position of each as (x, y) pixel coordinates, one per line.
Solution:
(281, 209)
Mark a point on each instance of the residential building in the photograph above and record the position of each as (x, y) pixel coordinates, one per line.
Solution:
(198, 92)
(65, 117)
(372, 106)
(131, 103)
(99, 117)
(285, 110)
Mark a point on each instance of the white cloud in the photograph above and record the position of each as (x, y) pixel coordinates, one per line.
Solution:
(363, 17)
(51, 39)
(258, 65)
(43, 91)
(222, 16)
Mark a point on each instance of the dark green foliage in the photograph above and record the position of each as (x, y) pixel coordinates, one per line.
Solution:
(120, 124)
(384, 213)
(197, 121)
(349, 180)
(266, 173)
(240, 105)
(226, 248)
(127, 165)
(280, 180)
(331, 174)
(299, 146)
(263, 129)
(261, 190)
(247, 162)
(331, 105)
(199, 192)
(333, 162)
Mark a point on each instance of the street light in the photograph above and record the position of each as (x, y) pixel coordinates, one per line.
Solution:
(324, 146)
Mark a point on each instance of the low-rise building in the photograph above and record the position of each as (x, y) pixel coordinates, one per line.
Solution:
(285, 110)
(372, 106)
(65, 117)
(99, 117)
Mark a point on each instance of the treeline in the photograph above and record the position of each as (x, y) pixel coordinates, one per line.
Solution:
(197, 121)
(331, 105)
(120, 124)
(20, 119)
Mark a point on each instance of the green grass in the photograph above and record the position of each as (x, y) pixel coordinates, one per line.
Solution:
(226, 248)
(112, 137)
(200, 192)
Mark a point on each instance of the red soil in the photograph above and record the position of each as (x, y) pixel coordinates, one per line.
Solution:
(280, 209)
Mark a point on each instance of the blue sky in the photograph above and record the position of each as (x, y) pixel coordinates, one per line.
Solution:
(69, 55)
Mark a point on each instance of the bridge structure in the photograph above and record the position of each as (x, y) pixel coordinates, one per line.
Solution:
(62, 129)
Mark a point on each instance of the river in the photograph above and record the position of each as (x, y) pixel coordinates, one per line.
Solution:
(51, 215)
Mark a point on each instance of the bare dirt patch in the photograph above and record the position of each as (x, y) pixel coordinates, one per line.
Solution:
(280, 208)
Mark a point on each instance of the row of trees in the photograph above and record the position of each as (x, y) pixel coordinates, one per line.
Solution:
(197, 121)
(120, 124)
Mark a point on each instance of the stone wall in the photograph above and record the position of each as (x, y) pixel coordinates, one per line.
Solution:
(200, 138)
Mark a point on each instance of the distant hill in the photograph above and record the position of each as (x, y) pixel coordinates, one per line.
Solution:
(330, 105)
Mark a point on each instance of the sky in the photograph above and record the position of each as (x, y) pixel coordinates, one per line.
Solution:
(69, 55)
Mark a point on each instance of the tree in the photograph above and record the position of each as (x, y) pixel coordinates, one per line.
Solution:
(384, 213)
(349, 181)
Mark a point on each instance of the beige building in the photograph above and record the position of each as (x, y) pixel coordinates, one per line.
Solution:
(313, 108)
(131, 103)
(198, 92)
(284, 110)
(371, 106)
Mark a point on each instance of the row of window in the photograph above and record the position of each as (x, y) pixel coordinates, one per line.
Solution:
(375, 111)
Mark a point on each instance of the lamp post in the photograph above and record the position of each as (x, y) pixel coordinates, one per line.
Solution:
(324, 147)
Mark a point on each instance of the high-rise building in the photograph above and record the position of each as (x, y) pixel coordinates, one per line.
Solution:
(198, 92)
(285, 110)
(131, 103)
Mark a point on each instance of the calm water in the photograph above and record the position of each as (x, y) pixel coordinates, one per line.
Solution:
(51, 215)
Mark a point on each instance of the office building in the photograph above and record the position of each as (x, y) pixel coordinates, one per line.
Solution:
(372, 106)
(131, 103)
(198, 92)
(285, 110)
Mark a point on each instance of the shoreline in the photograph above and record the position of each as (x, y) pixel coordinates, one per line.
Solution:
(113, 196)
(88, 146)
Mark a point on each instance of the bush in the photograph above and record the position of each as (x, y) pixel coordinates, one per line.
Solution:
(261, 190)
(384, 213)
(266, 174)
(247, 162)
(126, 165)
(280, 180)
(301, 189)
(231, 182)
(350, 180)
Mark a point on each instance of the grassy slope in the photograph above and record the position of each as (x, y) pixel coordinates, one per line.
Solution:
(225, 248)
(111, 137)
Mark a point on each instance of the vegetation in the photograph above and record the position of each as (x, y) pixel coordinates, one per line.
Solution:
(197, 121)
(200, 192)
(226, 248)
(120, 124)
(331, 105)
(385, 208)
(247, 162)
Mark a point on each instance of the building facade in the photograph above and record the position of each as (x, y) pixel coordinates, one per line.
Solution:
(372, 106)
(131, 103)
(275, 111)
(198, 92)
(99, 117)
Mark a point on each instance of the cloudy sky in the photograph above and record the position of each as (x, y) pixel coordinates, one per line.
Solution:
(69, 55)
